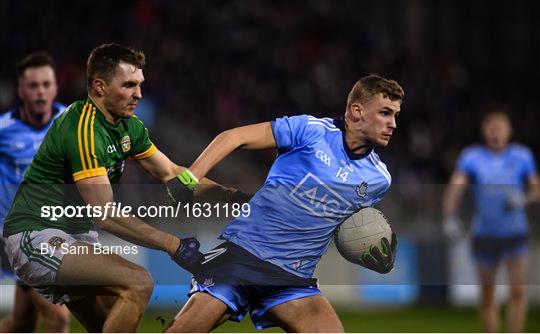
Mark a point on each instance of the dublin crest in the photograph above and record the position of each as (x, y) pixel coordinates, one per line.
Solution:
(361, 189)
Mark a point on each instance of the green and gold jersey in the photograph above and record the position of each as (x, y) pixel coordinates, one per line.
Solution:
(79, 144)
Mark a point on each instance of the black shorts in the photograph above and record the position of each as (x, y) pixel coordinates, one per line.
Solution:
(491, 251)
(232, 264)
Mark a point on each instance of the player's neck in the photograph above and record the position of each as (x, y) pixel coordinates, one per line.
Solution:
(497, 150)
(355, 144)
(101, 107)
(35, 120)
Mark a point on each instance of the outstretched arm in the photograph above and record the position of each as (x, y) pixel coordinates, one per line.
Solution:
(97, 192)
(161, 168)
(251, 137)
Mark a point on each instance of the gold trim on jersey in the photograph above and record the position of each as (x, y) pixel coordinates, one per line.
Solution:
(87, 150)
(84, 174)
(79, 137)
(92, 138)
(85, 136)
(146, 154)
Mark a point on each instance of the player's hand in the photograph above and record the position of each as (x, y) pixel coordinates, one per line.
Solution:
(452, 227)
(515, 201)
(180, 188)
(188, 255)
(381, 262)
(238, 196)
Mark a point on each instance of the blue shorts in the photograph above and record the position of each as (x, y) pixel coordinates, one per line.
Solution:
(246, 283)
(489, 251)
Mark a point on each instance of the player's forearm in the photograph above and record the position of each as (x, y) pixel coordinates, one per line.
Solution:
(533, 193)
(454, 192)
(252, 137)
(225, 143)
(134, 230)
(452, 198)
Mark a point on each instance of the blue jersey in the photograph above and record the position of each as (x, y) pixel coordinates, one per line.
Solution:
(315, 183)
(19, 142)
(495, 177)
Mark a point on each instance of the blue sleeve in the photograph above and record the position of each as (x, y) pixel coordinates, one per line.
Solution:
(290, 132)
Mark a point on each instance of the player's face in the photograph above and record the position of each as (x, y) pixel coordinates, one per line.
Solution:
(497, 132)
(123, 91)
(378, 120)
(37, 90)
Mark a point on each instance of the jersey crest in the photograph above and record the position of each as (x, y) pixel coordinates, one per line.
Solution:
(125, 143)
(361, 189)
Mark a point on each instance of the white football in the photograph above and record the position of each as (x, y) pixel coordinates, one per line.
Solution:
(360, 231)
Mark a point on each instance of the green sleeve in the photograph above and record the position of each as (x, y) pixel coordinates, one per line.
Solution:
(142, 145)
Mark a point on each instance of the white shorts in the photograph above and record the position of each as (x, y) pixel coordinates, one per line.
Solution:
(35, 257)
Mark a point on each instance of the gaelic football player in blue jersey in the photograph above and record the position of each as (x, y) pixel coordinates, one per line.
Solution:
(326, 170)
(22, 129)
(499, 172)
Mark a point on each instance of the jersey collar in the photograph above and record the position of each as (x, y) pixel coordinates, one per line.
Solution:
(101, 116)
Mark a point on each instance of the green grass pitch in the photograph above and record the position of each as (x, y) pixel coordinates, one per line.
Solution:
(380, 320)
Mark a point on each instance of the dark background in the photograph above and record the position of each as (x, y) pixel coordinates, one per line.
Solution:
(214, 65)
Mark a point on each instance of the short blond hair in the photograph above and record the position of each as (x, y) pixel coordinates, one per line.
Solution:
(373, 84)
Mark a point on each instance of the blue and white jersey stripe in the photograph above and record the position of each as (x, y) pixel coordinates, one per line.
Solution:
(381, 166)
(326, 123)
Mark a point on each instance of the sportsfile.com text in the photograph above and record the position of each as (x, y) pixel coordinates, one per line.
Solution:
(114, 209)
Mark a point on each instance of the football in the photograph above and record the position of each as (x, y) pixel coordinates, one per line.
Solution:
(360, 231)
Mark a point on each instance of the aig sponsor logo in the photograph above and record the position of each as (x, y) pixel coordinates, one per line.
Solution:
(323, 157)
(320, 199)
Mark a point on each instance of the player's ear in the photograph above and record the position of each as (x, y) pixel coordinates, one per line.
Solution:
(355, 111)
(99, 86)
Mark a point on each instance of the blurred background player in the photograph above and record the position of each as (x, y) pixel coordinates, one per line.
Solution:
(500, 171)
(86, 147)
(22, 128)
(326, 170)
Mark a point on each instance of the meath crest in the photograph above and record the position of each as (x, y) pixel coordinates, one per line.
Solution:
(125, 143)
(361, 189)
(56, 242)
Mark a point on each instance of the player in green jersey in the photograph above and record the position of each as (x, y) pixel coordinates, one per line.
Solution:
(87, 147)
